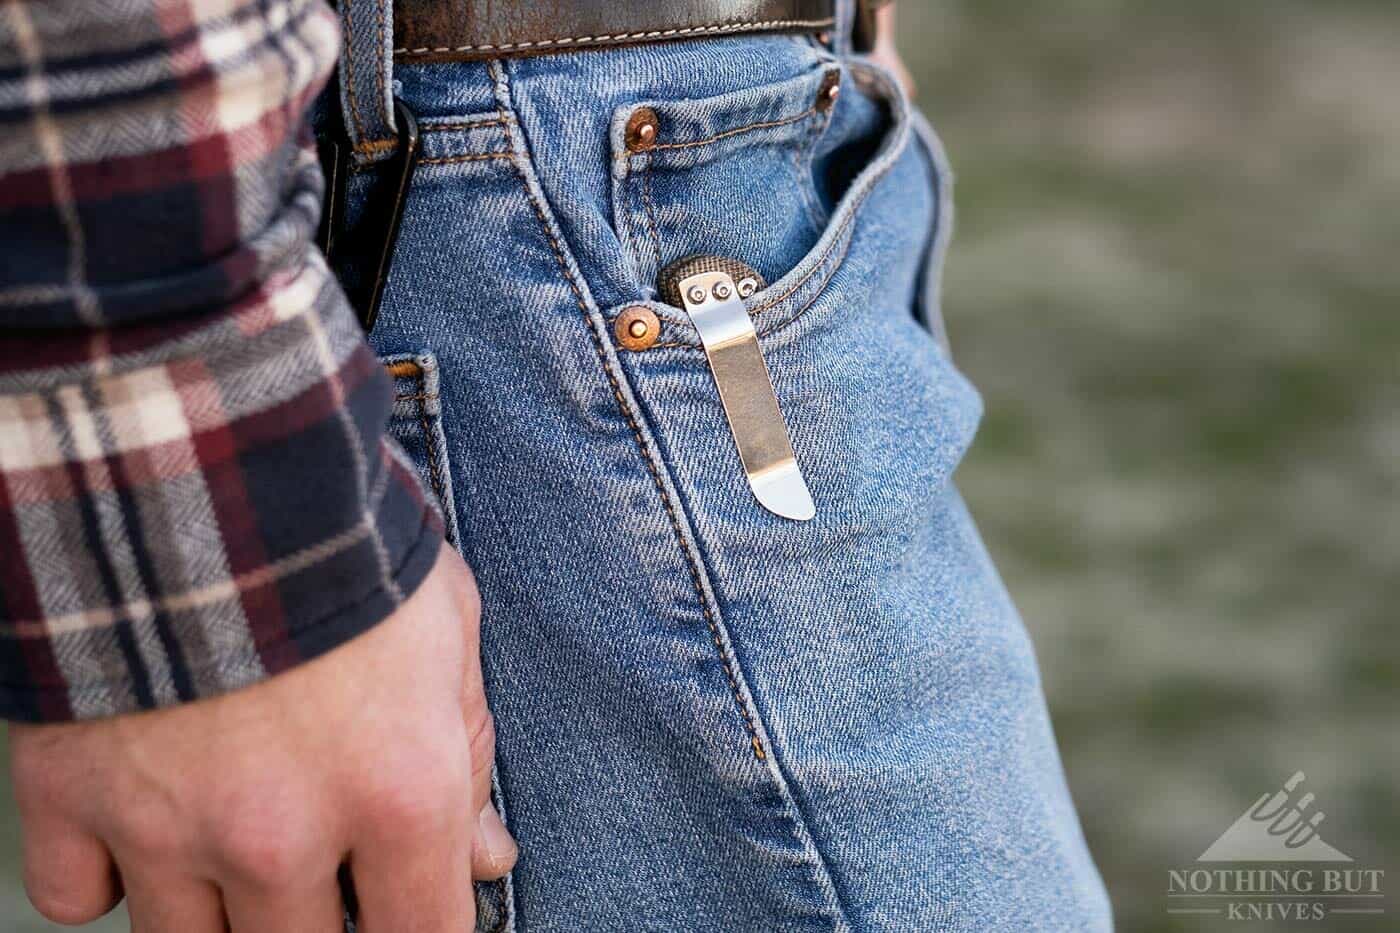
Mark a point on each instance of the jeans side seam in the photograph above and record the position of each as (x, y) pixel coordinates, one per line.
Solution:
(761, 744)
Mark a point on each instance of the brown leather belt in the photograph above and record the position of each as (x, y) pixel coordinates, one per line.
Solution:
(448, 30)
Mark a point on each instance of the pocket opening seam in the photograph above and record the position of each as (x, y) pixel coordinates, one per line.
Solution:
(736, 131)
(831, 269)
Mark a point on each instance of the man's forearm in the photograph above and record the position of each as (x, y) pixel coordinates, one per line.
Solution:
(195, 487)
(197, 492)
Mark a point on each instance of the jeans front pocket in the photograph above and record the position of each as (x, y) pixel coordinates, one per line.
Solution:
(728, 175)
(850, 330)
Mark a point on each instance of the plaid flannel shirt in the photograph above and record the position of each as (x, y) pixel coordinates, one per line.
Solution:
(196, 487)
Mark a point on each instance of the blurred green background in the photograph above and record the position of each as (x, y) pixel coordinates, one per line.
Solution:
(1176, 281)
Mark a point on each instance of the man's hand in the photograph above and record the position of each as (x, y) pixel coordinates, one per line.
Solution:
(238, 810)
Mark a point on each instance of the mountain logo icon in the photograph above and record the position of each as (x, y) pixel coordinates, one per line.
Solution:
(1278, 828)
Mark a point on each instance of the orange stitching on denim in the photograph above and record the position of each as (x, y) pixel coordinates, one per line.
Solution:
(803, 281)
(850, 218)
(350, 71)
(464, 125)
(378, 81)
(819, 263)
(412, 369)
(363, 146)
(477, 157)
(379, 70)
(370, 146)
(627, 414)
(780, 327)
(736, 131)
(821, 260)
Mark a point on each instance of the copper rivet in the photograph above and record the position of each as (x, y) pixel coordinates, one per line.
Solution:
(642, 130)
(824, 38)
(637, 327)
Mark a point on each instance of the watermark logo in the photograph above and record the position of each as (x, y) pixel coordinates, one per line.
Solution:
(1275, 829)
(1281, 827)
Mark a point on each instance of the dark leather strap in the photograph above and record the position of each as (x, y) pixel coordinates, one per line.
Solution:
(473, 29)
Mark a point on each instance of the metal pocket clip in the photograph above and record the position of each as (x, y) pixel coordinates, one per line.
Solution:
(746, 391)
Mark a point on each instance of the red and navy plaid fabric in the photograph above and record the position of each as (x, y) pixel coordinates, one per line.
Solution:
(196, 487)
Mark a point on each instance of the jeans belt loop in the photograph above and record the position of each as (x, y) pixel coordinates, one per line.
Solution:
(367, 78)
(380, 131)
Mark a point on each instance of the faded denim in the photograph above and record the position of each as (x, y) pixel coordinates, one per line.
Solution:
(710, 718)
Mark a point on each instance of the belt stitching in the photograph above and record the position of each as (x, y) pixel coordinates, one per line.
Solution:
(715, 28)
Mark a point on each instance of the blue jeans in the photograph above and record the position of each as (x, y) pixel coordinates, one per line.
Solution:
(710, 718)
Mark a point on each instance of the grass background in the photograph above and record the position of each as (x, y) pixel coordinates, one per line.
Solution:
(1176, 282)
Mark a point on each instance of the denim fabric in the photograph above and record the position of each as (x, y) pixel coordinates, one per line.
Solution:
(365, 73)
(710, 718)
